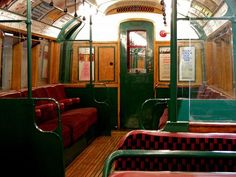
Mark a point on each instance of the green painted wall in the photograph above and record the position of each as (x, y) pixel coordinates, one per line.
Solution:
(182, 92)
(101, 94)
(207, 110)
(30, 151)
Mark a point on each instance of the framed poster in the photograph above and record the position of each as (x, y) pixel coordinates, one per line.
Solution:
(164, 63)
(84, 63)
(187, 63)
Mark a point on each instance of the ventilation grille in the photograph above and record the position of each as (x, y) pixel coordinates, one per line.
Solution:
(135, 8)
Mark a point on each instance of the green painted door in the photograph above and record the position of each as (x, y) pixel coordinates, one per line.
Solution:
(136, 70)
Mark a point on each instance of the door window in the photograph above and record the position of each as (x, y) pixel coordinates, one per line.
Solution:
(137, 45)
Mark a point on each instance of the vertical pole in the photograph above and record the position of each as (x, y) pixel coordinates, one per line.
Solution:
(173, 66)
(29, 52)
(91, 49)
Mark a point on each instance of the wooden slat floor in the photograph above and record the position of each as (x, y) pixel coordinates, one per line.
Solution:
(90, 162)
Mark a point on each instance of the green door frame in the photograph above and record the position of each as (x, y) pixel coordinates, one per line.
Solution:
(135, 88)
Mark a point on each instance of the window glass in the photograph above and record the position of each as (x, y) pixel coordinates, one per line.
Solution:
(206, 71)
(24, 63)
(137, 45)
(7, 62)
(43, 65)
(1, 46)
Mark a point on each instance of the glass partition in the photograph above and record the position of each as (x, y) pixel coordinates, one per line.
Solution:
(43, 62)
(206, 75)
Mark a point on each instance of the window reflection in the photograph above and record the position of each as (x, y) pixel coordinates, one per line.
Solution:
(137, 45)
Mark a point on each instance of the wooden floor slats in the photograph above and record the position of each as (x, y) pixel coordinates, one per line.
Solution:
(90, 162)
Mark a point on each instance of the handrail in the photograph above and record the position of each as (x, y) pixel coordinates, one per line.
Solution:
(94, 97)
(158, 101)
(103, 106)
(59, 123)
(163, 153)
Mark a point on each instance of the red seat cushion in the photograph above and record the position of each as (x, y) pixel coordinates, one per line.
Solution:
(47, 112)
(58, 96)
(168, 174)
(61, 96)
(77, 124)
(89, 114)
(159, 140)
(11, 95)
(163, 119)
(60, 91)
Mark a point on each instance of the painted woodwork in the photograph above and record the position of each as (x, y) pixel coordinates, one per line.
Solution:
(16, 64)
(54, 62)
(35, 61)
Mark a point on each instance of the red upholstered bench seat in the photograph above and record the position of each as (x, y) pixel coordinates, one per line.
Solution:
(74, 125)
(169, 174)
(89, 114)
(66, 132)
(12, 94)
(76, 121)
(158, 140)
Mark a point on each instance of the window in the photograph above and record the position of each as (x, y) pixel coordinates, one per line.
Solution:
(43, 62)
(137, 45)
(7, 63)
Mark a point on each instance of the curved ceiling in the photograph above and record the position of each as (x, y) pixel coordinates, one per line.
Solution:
(56, 13)
(50, 11)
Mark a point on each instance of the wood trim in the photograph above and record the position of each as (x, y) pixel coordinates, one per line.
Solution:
(35, 63)
(17, 57)
(54, 62)
(83, 85)
(156, 64)
(51, 57)
(207, 127)
(6, 28)
(118, 76)
(75, 63)
(198, 66)
(106, 63)
(1, 46)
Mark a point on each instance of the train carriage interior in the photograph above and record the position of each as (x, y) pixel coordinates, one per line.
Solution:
(117, 88)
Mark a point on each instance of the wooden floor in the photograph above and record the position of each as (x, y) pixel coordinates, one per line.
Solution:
(90, 162)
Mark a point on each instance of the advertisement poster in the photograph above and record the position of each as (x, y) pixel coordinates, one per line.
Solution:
(164, 63)
(52, 16)
(39, 11)
(187, 63)
(84, 64)
(6, 3)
